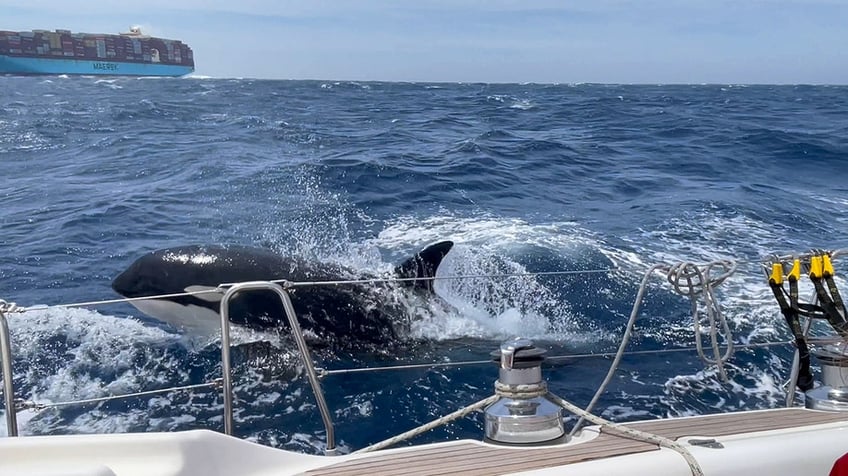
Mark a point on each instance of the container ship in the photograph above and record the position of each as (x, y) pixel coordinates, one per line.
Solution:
(63, 52)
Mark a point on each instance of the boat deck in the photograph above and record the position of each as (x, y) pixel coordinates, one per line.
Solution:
(485, 460)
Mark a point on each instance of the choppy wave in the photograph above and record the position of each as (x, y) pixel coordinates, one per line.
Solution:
(524, 178)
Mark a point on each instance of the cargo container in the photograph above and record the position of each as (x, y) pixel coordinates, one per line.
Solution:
(62, 52)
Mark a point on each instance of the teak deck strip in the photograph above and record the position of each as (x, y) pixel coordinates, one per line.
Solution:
(477, 460)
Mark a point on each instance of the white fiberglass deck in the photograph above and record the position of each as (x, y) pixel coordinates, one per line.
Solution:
(774, 442)
(479, 460)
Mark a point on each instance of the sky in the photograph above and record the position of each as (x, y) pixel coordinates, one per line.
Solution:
(495, 41)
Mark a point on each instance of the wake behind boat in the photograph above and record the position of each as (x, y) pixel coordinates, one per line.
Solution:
(525, 423)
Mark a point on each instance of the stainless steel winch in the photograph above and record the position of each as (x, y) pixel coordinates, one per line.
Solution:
(833, 394)
(523, 415)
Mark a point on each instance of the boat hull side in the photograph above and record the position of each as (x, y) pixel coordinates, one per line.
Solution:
(17, 65)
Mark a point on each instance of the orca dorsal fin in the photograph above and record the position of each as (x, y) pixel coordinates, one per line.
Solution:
(424, 264)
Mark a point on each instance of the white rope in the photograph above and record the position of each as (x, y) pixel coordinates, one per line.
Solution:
(521, 392)
(625, 339)
(524, 392)
(8, 307)
(528, 391)
(429, 426)
(630, 433)
(675, 274)
(697, 282)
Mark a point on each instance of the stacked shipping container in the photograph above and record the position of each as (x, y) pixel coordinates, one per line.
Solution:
(84, 46)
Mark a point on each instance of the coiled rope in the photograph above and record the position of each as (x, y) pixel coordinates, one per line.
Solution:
(8, 307)
(696, 282)
(681, 277)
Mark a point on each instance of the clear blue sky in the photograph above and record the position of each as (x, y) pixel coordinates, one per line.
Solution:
(547, 41)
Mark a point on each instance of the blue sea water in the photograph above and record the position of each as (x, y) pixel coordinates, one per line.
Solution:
(524, 178)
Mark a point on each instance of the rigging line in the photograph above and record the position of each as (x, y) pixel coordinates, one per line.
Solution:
(42, 406)
(805, 255)
(291, 284)
(113, 301)
(325, 372)
(766, 260)
(20, 309)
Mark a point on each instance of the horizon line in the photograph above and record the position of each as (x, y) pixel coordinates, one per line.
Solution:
(519, 83)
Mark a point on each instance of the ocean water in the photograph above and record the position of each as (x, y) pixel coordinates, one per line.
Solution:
(524, 178)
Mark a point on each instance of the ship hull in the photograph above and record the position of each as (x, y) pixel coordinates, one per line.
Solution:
(18, 65)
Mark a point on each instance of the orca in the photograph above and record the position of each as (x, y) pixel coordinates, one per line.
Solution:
(342, 314)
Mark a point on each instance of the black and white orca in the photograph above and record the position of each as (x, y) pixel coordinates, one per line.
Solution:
(338, 314)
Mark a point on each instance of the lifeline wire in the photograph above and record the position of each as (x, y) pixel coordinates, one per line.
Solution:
(433, 365)
(10, 307)
(13, 308)
(25, 404)
(326, 373)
